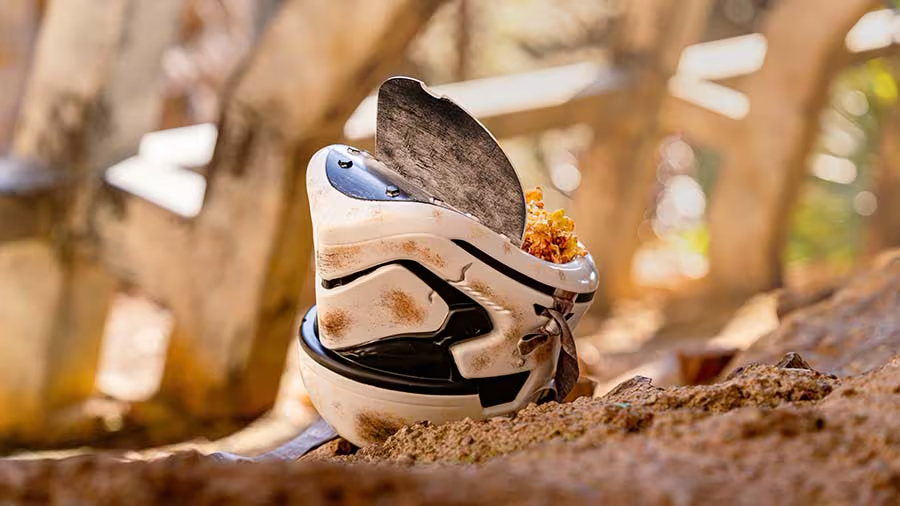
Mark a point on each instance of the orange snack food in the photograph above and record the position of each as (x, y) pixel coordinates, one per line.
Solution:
(549, 235)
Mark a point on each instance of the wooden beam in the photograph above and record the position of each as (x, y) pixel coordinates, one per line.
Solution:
(18, 28)
(762, 174)
(91, 94)
(703, 125)
(726, 61)
(520, 104)
(144, 245)
(730, 61)
(30, 287)
(882, 229)
(28, 193)
(619, 168)
(531, 102)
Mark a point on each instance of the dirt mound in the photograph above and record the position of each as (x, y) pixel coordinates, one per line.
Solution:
(844, 449)
(633, 407)
(768, 435)
(850, 332)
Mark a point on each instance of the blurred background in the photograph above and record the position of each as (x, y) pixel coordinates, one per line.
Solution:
(154, 241)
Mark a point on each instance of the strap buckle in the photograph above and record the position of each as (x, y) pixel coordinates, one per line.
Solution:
(556, 327)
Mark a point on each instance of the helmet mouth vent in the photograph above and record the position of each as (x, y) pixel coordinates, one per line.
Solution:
(342, 365)
(491, 391)
(501, 389)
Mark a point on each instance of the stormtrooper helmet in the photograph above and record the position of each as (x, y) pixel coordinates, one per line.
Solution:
(427, 308)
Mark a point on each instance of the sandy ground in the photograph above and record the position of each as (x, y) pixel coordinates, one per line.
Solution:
(767, 436)
(824, 430)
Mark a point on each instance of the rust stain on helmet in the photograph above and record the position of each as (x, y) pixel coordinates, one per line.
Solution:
(415, 250)
(402, 307)
(334, 323)
(483, 288)
(376, 427)
(337, 257)
(490, 293)
(483, 360)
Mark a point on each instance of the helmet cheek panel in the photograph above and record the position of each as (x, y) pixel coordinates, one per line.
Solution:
(511, 308)
(389, 301)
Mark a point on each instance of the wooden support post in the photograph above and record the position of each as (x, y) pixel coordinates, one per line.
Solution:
(763, 170)
(699, 125)
(27, 195)
(463, 39)
(91, 94)
(18, 27)
(620, 167)
(589, 91)
(249, 248)
(883, 230)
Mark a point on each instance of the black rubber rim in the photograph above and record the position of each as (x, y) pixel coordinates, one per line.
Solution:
(310, 344)
(491, 391)
(514, 274)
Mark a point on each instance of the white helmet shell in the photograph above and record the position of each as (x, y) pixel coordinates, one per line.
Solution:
(421, 308)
